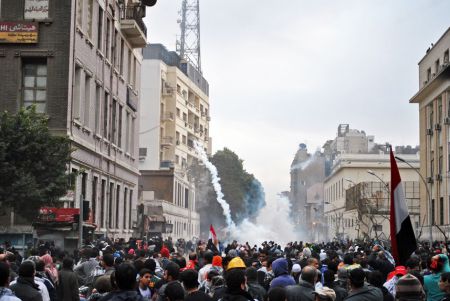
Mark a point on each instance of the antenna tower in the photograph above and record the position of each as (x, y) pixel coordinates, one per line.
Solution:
(188, 45)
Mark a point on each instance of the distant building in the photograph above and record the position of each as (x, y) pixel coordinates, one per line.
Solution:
(356, 201)
(174, 113)
(433, 99)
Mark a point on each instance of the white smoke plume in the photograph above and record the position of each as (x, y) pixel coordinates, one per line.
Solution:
(272, 223)
(217, 188)
(305, 164)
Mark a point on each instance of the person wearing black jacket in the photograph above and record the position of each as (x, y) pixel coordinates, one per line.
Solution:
(378, 261)
(376, 279)
(40, 273)
(236, 286)
(25, 288)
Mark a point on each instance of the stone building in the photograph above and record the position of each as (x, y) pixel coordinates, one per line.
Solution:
(79, 62)
(433, 99)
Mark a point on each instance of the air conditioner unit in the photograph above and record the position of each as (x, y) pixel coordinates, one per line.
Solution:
(447, 120)
(438, 177)
(437, 127)
(430, 132)
(430, 180)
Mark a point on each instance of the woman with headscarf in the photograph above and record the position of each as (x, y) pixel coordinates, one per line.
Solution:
(50, 268)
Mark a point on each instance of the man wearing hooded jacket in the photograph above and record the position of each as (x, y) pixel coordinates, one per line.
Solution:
(282, 277)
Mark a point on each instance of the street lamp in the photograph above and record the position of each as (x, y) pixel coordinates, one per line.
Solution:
(350, 181)
(428, 196)
(386, 185)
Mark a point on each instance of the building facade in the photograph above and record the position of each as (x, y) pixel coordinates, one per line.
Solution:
(433, 99)
(174, 115)
(356, 195)
(81, 66)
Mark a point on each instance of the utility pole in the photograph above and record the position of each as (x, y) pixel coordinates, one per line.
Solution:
(80, 223)
(188, 45)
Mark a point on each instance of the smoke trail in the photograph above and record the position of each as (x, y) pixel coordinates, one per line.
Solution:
(305, 164)
(217, 188)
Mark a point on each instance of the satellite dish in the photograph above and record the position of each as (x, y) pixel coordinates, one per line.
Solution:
(149, 2)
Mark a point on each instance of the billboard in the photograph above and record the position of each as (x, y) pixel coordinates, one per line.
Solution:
(36, 9)
(18, 32)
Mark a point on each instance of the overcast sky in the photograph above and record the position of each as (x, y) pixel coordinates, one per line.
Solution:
(289, 71)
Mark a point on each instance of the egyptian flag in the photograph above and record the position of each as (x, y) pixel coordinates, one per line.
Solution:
(403, 240)
(213, 236)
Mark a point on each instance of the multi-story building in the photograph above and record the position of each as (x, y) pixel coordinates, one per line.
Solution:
(174, 114)
(79, 62)
(356, 195)
(433, 98)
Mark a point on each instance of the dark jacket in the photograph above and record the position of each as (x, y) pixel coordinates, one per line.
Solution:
(238, 295)
(282, 277)
(49, 285)
(67, 289)
(386, 294)
(365, 293)
(301, 292)
(126, 296)
(26, 289)
(341, 293)
(256, 290)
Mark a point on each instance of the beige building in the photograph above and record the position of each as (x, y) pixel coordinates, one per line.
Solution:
(433, 98)
(174, 113)
(356, 202)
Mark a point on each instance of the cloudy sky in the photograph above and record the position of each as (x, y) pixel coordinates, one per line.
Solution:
(289, 71)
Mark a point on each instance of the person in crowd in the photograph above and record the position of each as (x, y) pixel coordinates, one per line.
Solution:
(324, 294)
(254, 288)
(375, 278)
(277, 294)
(150, 264)
(85, 269)
(296, 271)
(50, 268)
(444, 285)
(144, 280)
(189, 279)
(438, 265)
(6, 294)
(102, 287)
(359, 291)
(329, 281)
(171, 274)
(282, 277)
(409, 288)
(175, 292)
(306, 286)
(125, 277)
(393, 277)
(25, 288)
(207, 257)
(67, 289)
(42, 276)
(236, 284)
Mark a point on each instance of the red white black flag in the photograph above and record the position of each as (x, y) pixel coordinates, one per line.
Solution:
(403, 240)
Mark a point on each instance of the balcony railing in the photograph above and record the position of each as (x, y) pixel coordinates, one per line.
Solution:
(133, 26)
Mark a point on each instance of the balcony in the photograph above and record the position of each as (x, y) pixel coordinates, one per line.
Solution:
(133, 26)
(167, 141)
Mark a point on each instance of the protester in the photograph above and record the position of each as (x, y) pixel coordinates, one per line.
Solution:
(189, 279)
(282, 277)
(438, 265)
(67, 290)
(5, 293)
(236, 282)
(254, 288)
(409, 288)
(306, 286)
(25, 287)
(359, 291)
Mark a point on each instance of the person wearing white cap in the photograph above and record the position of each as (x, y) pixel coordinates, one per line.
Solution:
(296, 271)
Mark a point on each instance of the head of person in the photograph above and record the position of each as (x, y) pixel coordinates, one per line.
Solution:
(235, 279)
(193, 256)
(328, 277)
(236, 263)
(309, 274)
(189, 278)
(376, 278)
(4, 274)
(356, 278)
(412, 264)
(437, 263)
(126, 277)
(348, 259)
(296, 269)
(67, 263)
(313, 262)
(251, 274)
(145, 275)
(103, 284)
(277, 294)
(171, 272)
(108, 260)
(208, 257)
(27, 269)
(409, 288)
(324, 294)
(40, 266)
(174, 292)
(444, 282)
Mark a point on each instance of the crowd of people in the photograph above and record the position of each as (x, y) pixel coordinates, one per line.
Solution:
(205, 271)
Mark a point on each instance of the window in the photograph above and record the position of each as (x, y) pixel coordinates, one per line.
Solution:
(127, 133)
(130, 56)
(117, 206)
(119, 132)
(102, 204)
(110, 205)
(121, 58)
(177, 159)
(80, 13)
(113, 121)
(437, 66)
(116, 49)
(76, 92)
(105, 115)
(129, 210)
(35, 84)
(90, 10)
(440, 162)
(125, 194)
(184, 139)
(184, 116)
(441, 211)
(98, 101)
(100, 29)
(87, 99)
(429, 74)
(186, 198)
(177, 136)
(94, 198)
(446, 57)
(178, 112)
(132, 146)
(433, 211)
(108, 38)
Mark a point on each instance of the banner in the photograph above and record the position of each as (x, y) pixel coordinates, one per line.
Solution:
(36, 9)
(18, 32)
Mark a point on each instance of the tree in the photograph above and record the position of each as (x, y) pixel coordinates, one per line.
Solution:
(32, 162)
